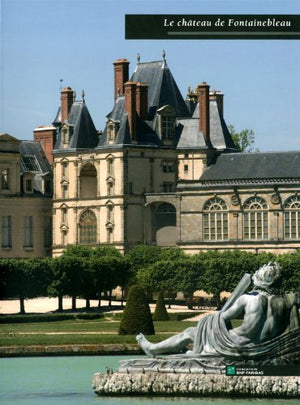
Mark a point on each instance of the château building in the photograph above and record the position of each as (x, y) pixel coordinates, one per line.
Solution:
(165, 171)
(25, 199)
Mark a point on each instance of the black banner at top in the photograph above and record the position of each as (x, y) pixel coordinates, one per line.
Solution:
(193, 26)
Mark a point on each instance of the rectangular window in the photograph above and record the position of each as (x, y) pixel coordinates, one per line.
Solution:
(65, 193)
(28, 186)
(5, 179)
(167, 127)
(48, 232)
(168, 187)
(168, 166)
(6, 231)
(47, 187)
(65, 170)
(28, 231)
(186, 168)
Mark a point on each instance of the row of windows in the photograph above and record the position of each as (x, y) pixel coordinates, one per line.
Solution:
(255, 219)
(252, 203)
(168, 166)
(28, 231)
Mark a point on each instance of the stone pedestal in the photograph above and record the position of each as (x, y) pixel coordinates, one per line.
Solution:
(199, 376)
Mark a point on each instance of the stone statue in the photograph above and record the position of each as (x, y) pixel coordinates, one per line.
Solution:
(270, 326)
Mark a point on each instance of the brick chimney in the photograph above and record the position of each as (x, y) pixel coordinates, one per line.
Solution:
(121, 71)
(203, 99)
(130, 107)
(67, 99)
(47, 138)
(142, 100)
(218, 96)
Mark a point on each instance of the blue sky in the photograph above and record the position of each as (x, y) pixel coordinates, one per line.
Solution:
(43, 41)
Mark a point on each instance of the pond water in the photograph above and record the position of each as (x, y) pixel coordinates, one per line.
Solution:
(67, 380)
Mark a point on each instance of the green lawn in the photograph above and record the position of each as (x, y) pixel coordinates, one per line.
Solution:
(98, 331)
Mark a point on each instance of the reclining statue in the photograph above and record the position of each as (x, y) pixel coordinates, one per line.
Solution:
(270, 326)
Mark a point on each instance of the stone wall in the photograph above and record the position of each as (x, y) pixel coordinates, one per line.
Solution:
(180, 384)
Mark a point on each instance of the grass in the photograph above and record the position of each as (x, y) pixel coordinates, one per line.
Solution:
(98, 331)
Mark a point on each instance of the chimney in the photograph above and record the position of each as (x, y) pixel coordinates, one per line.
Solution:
(121, 71)
(130, 107)
(218, 96)
(203, 98)
(142, 100)
(47, 138)
(67, 99)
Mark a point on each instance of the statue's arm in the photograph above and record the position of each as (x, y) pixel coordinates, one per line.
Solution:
(236, 309)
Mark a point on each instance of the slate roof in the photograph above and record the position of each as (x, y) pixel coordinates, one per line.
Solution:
(162, 88)
(219, 134)
(40, 162)
(34, 160)
(84, 135)
(254, 166)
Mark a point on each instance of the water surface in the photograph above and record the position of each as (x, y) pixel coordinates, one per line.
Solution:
(67, 380)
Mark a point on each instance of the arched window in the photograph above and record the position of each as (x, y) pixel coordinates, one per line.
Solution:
(215, 220)
(165, 224)
(255, 219)
(88, 227)
(292, 218)
(88, 181)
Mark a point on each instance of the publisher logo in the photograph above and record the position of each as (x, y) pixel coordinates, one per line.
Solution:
(230, 370)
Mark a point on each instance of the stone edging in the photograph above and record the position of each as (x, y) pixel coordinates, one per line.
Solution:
(68, 350)
(179, 384)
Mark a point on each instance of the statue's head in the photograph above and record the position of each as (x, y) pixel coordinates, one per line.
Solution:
(268, 276)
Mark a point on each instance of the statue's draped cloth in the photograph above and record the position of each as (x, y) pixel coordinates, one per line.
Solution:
(214, 338)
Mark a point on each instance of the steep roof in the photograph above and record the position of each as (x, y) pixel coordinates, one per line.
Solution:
(33, 158)
(84, 134)
(262, 165)
(220, 137)
(162, 88)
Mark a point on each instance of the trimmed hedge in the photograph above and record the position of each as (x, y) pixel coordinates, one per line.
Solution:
(160, 313)
(136, 316)
(46, 317)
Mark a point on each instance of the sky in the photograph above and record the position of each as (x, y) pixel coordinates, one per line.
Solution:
(43, 41)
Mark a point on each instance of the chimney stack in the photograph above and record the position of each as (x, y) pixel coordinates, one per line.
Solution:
(218, 96)
(47, 138)
(121, 72)
(67, 99)
(142, 100)
(203, 98)
(130, 107)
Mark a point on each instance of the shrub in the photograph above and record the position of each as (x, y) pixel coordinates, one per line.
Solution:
(160, 313)
(46, 317)
(137, 316)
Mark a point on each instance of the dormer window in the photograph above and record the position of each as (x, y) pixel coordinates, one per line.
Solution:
(167, 123)
(67, 132)
(28, 186)
(4, 179)
(112, 128)
(28, 183)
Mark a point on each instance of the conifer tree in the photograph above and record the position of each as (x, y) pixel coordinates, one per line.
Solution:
(160, 313)
(136, 316)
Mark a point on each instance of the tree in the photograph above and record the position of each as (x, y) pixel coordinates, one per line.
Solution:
(136, 316)
(26, 278)
(243, 140)
(160, 312)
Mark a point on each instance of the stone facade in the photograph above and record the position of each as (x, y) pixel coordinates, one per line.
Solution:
(25, 200)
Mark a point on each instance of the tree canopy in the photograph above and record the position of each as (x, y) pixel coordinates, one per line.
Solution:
(243, 140)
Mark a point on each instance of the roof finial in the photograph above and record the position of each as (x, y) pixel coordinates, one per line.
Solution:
(83, 95)
(164, 55)
(61, 80)
(138, 58)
